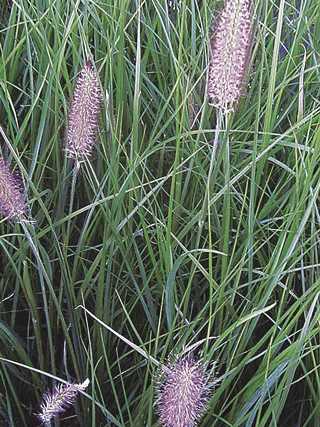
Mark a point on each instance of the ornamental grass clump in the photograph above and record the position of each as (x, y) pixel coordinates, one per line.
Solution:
(230, 49)
(183, 391)
(58, 400)
(13, 204)
(84, 114)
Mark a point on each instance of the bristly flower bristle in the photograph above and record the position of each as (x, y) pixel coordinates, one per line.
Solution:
(183, 392)
(57, 401)
(230, 48)
(12, 194)
(84, 114)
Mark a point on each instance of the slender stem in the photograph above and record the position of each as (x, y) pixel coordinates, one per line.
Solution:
(226, 203)
(207, 203)
(206, 198)
(98, 188)
(225, 235)
(42, 274)
(75, 171)
(70, 288)
(62, 190)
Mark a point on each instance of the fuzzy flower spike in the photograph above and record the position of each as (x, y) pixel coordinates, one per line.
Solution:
(84, 114)
(59, 399)
(13, 204)
(183, 392)
(230, 49)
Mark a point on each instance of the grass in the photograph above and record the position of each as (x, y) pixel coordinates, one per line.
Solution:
(165, 245)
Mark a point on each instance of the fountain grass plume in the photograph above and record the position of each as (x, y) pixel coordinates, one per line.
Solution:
(230, 49)
(58, 400)
(184, 387)
(13, 204)
(83, 115)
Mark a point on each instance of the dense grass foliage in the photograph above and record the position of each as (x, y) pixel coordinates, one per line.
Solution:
(161, 243)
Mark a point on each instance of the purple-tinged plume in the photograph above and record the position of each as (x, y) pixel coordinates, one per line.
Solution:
(183, 392)
(84, 114)
(59, 399)
(174, 4)
(230, 49)
(12, 194)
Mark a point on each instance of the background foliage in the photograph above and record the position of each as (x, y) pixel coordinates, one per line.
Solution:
(165, 243)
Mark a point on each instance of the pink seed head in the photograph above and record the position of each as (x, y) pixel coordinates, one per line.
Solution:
(59, 399)
(230, 48)
(183, 392)
(12, 194)
(84, 114)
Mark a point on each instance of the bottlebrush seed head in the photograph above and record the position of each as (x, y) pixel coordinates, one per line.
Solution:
(12, 194)
(183, 392)
(230, 48)
(84, 114)
(59, 399)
